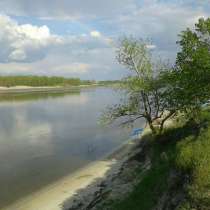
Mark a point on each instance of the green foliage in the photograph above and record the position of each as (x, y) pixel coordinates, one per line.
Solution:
(146, 194)
(184, 160)
(185, 206)
(135, 56)
(182, 89)
(109, 82)
(146, 95)
(9, 81)
(186, 149)
(194, 159)
(191, 75)
(152, 183)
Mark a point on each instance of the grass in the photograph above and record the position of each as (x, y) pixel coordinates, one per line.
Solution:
(194, 159)
(185, 149)
(139, 197)
(153, 181)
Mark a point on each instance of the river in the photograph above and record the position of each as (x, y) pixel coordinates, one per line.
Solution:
(44, 137)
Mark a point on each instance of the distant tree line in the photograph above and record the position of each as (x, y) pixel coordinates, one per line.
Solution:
(35, 81)
(109, 82)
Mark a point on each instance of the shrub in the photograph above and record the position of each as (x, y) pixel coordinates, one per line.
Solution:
(194, 158)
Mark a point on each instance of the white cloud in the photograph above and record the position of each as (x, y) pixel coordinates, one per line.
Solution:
(151, 46)
(24, 42)
(12, 68)
(159, 21)
(17, 55)
(65, 9)
(76, 68)
(34, 32)
(89, 55)
(96, 34)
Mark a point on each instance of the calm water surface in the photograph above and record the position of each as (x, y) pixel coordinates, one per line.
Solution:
(46, 136)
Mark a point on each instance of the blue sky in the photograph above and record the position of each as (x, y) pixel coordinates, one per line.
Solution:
(78, 38)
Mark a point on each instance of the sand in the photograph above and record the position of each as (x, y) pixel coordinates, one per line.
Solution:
(54, 195)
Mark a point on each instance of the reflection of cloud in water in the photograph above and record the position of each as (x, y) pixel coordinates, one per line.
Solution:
(75, 99)
(26, 139)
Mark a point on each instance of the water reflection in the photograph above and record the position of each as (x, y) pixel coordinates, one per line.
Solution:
(27, 96)
(45, 136)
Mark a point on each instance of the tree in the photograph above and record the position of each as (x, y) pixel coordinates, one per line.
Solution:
(147, 94)
(191, 76)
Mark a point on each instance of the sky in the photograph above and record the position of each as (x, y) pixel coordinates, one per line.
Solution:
(78, 38)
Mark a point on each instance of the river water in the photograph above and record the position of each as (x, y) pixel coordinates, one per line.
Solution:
(44, 137)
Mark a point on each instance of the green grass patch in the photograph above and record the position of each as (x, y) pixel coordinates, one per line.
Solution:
(185, 148)
(153, 182)
(194, 159)
(143, 197)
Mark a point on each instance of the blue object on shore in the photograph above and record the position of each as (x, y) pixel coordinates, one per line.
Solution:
(205, 105)
(136, 131)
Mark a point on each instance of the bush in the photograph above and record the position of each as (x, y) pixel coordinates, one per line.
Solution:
(194, 158)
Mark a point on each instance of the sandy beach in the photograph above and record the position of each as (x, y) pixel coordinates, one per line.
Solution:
(29, 89)
(53, 196)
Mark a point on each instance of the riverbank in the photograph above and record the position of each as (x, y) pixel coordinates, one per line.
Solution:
(51, 89)
(61, 194)
(170, 172)
(118, 182)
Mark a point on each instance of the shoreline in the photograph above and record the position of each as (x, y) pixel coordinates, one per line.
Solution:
(85, 181)
(30, 89)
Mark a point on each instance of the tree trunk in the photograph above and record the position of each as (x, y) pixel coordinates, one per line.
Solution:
(161, 128)
(154, 132)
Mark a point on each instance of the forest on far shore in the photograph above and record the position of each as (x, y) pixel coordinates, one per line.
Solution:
(39, 81)
(36, 81)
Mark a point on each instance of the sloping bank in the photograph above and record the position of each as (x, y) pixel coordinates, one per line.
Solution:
(171, 172)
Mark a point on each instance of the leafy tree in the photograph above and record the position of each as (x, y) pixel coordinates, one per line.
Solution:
(191, 76)
(147, 94)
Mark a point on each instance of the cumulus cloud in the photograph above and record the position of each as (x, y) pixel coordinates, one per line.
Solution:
(86, 56)
(24, 43)
(86, 48)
